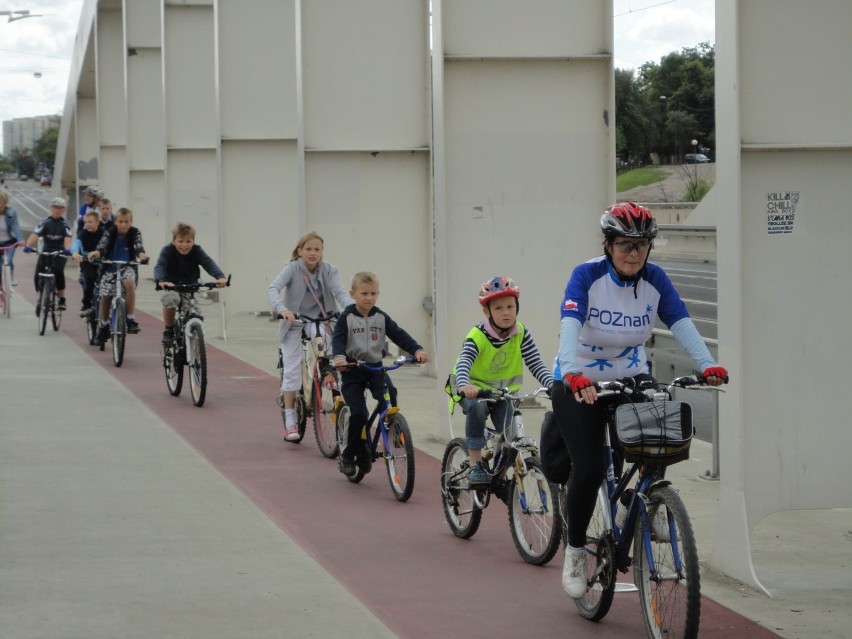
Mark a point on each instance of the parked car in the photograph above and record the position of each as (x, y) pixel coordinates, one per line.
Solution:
(23, 178)
(46, 180)
(695, 158)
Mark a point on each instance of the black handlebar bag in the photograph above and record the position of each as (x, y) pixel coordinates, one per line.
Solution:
(658, 433)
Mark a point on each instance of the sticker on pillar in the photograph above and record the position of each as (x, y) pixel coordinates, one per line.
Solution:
(781, 212)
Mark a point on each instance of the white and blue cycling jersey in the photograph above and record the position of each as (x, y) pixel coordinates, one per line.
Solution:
(606, 322)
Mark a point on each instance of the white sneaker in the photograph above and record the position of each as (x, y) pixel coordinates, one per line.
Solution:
(574, 573)
(14, 281)
(291, 433)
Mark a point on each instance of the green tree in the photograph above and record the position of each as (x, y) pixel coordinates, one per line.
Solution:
(45, 148)
(664, 106)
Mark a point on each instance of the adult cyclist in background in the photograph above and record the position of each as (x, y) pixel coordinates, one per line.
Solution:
(607, 316)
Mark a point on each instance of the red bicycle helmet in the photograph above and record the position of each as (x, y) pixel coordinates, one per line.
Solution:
(498, 287)
(628, 219)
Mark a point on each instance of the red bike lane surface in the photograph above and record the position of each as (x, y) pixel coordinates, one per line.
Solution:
(399, 559)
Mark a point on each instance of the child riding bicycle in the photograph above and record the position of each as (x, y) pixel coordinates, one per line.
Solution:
(312, 287)
(180, 263)
(359, 336)
(87, 241)
(493, 357)
(122, 242)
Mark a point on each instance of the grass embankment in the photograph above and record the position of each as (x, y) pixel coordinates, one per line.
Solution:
(638, 177)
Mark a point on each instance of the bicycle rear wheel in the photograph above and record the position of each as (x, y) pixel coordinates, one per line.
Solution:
(400, 458)
(173, 367)
(196, 361)
(119, 332)
(670, 598)
(461, 512)
(533, 519)
(600, 564)
(324, 396)
(44, 307)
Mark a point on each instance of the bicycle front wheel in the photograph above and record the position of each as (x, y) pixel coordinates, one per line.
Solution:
(119, 332)
(670, 595)
(324, 395)
(44, 307)
(461, 512)
(173, 367)
(600, 562)
(532, 518)
(196, 361)
(92, 327)
(400, 458)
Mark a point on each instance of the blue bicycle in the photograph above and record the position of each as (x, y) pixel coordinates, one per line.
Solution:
(397, 446)
(648, 520)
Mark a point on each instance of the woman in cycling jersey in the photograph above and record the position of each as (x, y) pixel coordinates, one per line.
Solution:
(608, 314)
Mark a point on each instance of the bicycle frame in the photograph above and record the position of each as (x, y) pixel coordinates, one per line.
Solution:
(531, 499)
(656, 529)
(383, 409)
(189, 345)
(391, 428)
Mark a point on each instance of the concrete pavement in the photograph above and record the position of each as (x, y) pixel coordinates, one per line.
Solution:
(112, 526)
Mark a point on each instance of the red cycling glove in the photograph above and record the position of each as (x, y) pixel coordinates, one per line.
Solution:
(716, 371)
(576, 382)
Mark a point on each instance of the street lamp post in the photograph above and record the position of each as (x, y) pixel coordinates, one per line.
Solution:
(19, 15)
(695, 157)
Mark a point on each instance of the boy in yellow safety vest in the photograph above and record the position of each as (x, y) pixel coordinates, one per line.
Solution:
(493, 357)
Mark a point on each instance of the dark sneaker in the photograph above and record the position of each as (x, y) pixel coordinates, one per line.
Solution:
(132, 326)
(38, 310)
(347, 467)
(365, 461)
(477, 476)
(60, 305)
(103, 335)
(501, 490)
(168, 336)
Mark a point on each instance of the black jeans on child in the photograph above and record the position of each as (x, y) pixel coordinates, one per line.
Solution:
(353, 384)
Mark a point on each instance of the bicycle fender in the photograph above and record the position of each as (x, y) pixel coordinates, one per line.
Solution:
(660, 483)
(192, 321)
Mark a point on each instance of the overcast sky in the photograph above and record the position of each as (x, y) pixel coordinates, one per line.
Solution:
(645, 30)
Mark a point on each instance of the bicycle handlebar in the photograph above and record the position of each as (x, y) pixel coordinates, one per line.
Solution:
(487, 394)
(98, 260)
(190, 288)
(400, 361)
(305, 320)
(647, 387)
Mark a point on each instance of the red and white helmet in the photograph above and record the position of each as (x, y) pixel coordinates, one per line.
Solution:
(628, 219)
(498, 287)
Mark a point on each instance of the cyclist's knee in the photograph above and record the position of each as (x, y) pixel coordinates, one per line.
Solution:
(475, 443)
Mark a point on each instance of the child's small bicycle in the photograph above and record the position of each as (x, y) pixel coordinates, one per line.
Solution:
(118, 312)
(188, 348)
(320, 390)
(517, 479)
(47, 303)
(391, 428)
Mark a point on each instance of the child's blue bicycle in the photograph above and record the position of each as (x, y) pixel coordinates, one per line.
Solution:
(397, 446)
(118, 312)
